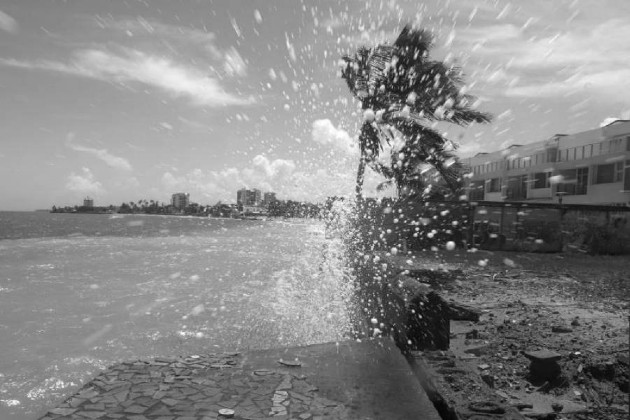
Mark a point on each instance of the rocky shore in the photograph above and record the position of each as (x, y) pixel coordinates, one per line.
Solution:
(552, 336)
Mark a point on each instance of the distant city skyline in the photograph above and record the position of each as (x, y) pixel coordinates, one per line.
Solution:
(138, 99)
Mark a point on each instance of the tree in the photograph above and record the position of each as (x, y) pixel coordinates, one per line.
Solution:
(401, 90)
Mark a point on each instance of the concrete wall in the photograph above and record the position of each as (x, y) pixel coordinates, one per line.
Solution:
(510, 227)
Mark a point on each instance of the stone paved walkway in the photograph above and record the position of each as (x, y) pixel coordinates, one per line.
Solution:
(330, 381)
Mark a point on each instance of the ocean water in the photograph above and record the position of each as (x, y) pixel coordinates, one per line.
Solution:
(79, 292)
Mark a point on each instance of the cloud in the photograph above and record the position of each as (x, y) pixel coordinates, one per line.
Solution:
(185, 36)
(113, 161)
(326, 134)
(84, 182)
(606, 83)
(273, 168)
(131, 65)
(7, 23)
(586, 58)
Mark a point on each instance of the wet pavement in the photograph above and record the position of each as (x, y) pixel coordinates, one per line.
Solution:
(347, 380)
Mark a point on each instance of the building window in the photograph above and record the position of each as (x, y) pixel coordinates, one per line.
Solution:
(616, 145)
(541, 180)
(579, 153)
(552, 154)
(475, 192)
(588, 151)
(517, 188)
(581, 184)
(574, 181)
(606, 174)
(494, 185)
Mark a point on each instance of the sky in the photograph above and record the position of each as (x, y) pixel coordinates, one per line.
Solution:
(139, 99)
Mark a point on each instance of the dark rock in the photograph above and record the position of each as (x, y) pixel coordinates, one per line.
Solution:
(544, 366)
(488, 379)
(478, 350)
(419, 322)
(461, 312)
(542, 356)
(486, 407)
(561, 329)
(557, 407)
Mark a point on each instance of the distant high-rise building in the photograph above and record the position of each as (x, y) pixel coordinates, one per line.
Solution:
(180, 200)
(254, 197)
(242, 197)
(269, 198)
(257, 197)
(245, 197)
(88, 202)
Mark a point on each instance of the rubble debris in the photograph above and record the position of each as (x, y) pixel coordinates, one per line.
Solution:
(461, 312)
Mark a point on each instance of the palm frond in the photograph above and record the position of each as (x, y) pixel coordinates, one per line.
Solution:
(384, 185)
(412, 128)
(379, 64)
(413, 43)
(355, 72)
(450, 169)
(381, 169)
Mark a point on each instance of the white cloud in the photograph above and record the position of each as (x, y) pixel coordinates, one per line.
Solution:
(274, 168)
(606, 83)
(113, 161)
(184, 36)
(84, 182)
(130, 65)
(326, 134)
(7, 23)
(584, 58)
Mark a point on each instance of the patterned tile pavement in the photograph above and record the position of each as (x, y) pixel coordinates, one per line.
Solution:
(255, 385)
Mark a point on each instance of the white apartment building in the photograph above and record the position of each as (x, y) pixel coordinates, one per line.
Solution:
(590, 167)
(180, 200)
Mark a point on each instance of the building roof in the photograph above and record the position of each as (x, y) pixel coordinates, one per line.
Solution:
(617, 121)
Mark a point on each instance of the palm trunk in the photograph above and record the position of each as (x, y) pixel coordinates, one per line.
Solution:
(360, 176)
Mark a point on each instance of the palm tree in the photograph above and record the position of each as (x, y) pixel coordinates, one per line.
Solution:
(413, 173)
(401, 90)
